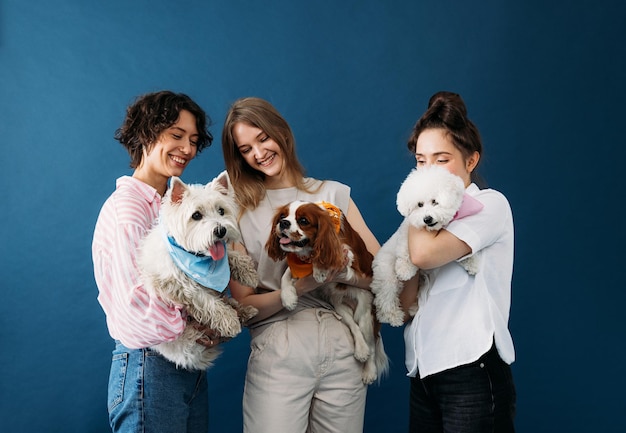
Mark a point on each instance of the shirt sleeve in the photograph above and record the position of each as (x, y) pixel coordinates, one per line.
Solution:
(134, 316)
(485, 227)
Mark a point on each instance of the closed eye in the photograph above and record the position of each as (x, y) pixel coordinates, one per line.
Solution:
(434, 202)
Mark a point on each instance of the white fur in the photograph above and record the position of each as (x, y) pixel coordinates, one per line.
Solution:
(367, 348)
(194, 221)
(429, 197)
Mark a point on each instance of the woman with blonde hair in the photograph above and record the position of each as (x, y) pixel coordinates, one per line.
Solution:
(302, 375)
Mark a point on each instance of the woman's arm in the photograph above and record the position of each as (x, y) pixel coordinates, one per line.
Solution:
(431, 249)
(357, 222)
(134, 315)
(268, 303)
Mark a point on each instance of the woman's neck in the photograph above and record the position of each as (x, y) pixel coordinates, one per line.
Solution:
(278, 182)
(158, 184)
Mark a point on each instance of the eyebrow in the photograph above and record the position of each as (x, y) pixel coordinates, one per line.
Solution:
(182, 130)
(436, 153)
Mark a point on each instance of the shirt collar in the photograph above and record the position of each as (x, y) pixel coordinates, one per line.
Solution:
(149, 193)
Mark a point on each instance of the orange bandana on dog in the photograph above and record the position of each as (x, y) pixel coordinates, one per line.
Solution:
(300, 268)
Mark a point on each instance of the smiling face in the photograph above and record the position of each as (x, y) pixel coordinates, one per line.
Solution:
(435, 147)
(261, 153)
(171, 153)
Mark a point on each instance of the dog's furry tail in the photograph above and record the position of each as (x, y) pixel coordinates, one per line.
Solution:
(382, 360)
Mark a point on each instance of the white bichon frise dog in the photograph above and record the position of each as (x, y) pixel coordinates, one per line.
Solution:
(184, 260)
(429, 197)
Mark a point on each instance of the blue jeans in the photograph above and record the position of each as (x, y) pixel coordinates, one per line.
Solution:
(148, 394)
(473, 398)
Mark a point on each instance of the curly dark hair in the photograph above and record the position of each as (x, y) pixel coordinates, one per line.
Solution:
(153, 113)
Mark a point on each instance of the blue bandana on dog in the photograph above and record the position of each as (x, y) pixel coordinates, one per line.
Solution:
(214, 274)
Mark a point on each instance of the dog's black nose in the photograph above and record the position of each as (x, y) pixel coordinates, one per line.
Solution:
(284, 224)
(220, 231)
(428, 220)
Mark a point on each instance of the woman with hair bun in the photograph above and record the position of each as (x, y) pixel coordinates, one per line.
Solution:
(458, 345)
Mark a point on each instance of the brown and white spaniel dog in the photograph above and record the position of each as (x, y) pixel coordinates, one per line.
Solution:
(316, 239)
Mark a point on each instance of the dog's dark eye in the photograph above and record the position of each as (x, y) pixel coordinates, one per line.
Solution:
(197, 216)
(434, 202)
(303, 222)
(220, 211)
(420, 204)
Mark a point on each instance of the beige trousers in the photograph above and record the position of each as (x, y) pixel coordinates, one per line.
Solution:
(302, 377)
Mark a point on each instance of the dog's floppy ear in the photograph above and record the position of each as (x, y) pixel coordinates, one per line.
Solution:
(327, 248)
(177, 190)
(274, 251)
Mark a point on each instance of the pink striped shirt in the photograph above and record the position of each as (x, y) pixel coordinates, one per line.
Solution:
(133, 316)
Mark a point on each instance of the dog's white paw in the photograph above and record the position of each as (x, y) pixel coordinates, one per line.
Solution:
(405, 270)
(361, 351)
(245, 312)
(242, 268)
(394, 317)
(288, 293)
(228, 325)
(470, 264)
(289, 297)
(369, 374)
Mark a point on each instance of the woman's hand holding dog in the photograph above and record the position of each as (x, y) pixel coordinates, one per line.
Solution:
(210, 337)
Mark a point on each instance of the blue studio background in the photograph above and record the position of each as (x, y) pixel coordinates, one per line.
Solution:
(544, 81)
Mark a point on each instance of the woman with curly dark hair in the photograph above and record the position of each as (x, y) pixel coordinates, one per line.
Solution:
(162, 132)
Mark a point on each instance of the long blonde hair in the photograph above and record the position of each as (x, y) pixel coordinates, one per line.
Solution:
(249, 183)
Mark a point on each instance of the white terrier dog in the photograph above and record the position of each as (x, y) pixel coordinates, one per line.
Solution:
(182, 260)
(429, 197)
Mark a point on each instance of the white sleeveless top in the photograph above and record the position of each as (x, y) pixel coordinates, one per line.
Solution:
(255, 226)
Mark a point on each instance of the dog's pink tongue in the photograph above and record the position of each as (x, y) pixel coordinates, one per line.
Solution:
(216, 251)
(284, 241)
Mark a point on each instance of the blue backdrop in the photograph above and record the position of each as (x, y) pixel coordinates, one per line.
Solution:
(544, 81)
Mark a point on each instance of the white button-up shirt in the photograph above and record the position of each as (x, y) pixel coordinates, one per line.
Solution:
(460, 316)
